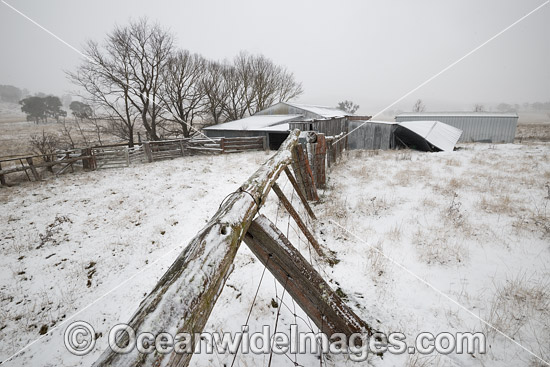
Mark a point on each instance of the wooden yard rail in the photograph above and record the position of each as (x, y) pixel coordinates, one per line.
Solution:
(183, 298)
(120, 155)
(32, 163)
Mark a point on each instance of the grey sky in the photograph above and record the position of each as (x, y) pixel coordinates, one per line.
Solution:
(369, 51)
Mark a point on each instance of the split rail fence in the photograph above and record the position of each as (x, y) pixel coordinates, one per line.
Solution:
(120, 155)
(185, 295)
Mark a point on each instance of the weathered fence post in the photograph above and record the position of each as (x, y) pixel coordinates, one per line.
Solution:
(2, 178)
(303, 282)
(319, 156)
(182, 147)
(33, 169)
(127, 156)
(290, 209)
(300, 193)
(222, 145)
(147, 151)
(264, 143)
(302, 170)
(184, 297)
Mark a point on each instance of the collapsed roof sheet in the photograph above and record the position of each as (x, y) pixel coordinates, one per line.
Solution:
(442, 136)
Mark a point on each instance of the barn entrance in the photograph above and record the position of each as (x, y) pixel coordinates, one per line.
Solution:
(276, 139)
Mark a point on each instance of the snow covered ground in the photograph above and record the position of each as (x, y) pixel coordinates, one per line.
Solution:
(473, 223)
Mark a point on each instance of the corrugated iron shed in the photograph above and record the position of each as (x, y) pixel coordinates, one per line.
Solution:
(476, 126)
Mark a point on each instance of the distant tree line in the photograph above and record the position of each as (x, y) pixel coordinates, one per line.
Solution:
(138, 76)
(38, 109)
(11, 94)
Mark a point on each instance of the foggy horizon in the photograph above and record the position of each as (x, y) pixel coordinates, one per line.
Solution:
(369, 52)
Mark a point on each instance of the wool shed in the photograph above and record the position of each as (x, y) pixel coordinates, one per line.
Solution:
(274, 127)
(476, 126)
(274, 122)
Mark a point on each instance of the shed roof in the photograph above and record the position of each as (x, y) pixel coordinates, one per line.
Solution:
(323, 111)
(257, 123)
(438, 134)
(457, 114)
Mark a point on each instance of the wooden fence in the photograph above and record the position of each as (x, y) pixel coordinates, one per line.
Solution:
(120, 155)
(198, 274)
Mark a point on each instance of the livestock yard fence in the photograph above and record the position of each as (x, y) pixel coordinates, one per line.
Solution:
(120, 155)
(199, 273)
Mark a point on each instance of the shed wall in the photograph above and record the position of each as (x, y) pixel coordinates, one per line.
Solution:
(332, 127)
(370, 135)
(495, 129)
(273, 138)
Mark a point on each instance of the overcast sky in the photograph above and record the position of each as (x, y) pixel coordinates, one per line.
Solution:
(371, 52)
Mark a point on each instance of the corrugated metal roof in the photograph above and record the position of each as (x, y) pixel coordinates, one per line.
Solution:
(440, 135)
(257, 123)
(458, 114)
(323, 111)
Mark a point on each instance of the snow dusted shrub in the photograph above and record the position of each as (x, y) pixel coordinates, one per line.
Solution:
(53, 231)
(439, 246)
(373, 206)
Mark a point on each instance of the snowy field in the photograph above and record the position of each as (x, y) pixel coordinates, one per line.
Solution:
(474, 224)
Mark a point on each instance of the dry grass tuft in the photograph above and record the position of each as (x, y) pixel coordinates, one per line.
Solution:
(437, 246)
(374, 206)
(378, 263)
(498, 205)
(453, 162)
(521, 306)
(395, 232)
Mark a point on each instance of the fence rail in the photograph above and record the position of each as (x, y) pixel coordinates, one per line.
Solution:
(120, 155)
(200, 271)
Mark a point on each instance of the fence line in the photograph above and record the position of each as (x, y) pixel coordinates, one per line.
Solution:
(199, 273)
(120, 155)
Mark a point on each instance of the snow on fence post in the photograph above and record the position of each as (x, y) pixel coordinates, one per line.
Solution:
(184, 297)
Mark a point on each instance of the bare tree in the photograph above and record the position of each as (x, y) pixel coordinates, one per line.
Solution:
(105, 78)
(479, 107)
(150, 47)
(215, 91)
(239, 87)
(123, 77)
(272, 83)
(419, 106)
(348, 106)
(253, 83)
(183, 92)
(46, 145)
